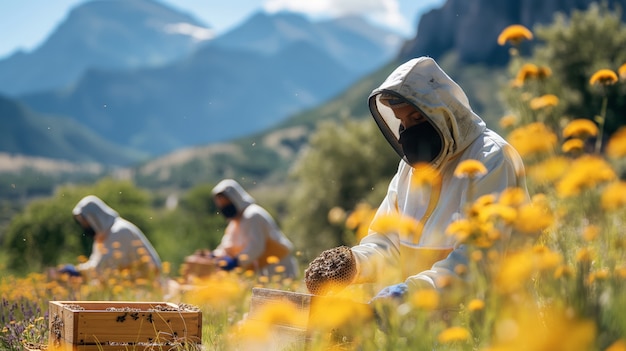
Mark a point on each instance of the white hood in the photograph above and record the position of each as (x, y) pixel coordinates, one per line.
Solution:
(235, 193)
(425, 85)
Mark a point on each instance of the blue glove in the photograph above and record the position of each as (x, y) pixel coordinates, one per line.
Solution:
(381, 304)
(393, 292)
(228, 263)
(70, 270)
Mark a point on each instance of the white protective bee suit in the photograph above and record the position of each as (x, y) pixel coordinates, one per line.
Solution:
(253, 236)
(118, 244)
(464, 136)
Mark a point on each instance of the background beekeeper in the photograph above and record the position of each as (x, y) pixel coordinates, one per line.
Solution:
(252, 239)
(118, 244)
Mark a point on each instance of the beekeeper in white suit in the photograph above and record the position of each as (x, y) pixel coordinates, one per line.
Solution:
(118, 244)
(426, 117)
(252, 239)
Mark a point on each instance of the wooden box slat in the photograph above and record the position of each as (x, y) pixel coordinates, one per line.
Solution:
(90, 323)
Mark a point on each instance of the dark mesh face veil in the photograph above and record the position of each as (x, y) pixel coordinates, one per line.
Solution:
(422, 143)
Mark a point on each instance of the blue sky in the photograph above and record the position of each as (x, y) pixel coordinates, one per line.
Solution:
(25, 24)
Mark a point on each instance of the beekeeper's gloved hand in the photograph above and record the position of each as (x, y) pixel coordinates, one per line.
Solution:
(70, 270)
(228, 263)
(385, 303)
(396, 292)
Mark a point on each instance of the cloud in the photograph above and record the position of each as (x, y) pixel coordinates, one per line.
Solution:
(385, 12)
(197, 33)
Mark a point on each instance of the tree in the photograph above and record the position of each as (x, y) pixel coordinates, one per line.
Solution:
(347, 162)
(194, 224)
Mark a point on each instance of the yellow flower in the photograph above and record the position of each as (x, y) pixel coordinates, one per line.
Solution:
(476, 305)
(532, 139)
(517, 268)
(273, 260)
(283, 313)
(512, 197)
(543, 72)
(616, 146)
(580, 128)
(506, 213)
(548, 100)
(548, 170)
(620, 271)
(470, 169)
(619, 345)
(166, 266)
(508, 121)
(461, 229)
(334, 313)
(584, 173)
(614, 196)
(622, 71)
(361, 214)
(477, 255)
(533, 218)
(528, 328)
(404, 226)
(425, 175)
(584, 255)
(563, 271)
(483, 201)
(527, 71)
(514, 34)
(453, 334)
(603, 77)
(591, 232)
(425, 299)
(573, 146)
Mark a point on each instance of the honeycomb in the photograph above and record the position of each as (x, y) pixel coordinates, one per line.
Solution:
(331, 271)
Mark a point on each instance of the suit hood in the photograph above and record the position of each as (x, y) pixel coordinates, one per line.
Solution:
(97, 213)
(423, 84)
(234, 192)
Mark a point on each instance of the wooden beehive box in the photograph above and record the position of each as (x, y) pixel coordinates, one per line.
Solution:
(299, 334)
(105, 325)
(198, 265)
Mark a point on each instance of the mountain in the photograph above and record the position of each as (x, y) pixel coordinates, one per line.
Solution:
(216, 95)
(28, 133)
(266, 156)
(219, 92)
(460, 26)
(103, 34)
(351, 40)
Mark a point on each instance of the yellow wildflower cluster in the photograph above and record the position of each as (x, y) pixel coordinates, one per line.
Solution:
(586, 172)
(530, 71)
(533, 139)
